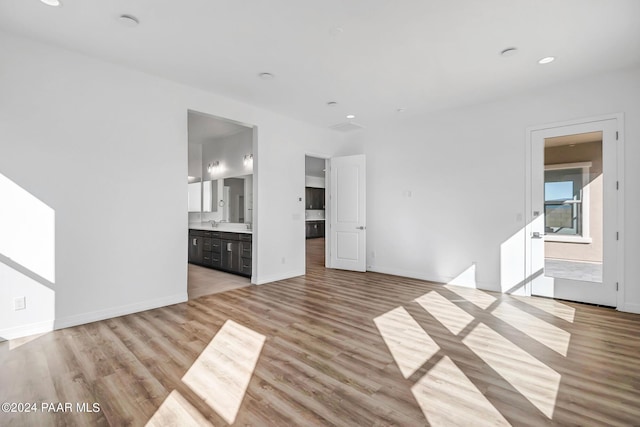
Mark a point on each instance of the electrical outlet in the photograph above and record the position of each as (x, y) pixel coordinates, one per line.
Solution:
(19, 303)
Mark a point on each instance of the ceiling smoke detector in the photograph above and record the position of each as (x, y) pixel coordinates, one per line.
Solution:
(266, 76)
(332, 103)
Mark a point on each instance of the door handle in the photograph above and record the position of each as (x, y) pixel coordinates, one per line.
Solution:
(195, 242)
(361, 228)
(229, 247)
(537, 235)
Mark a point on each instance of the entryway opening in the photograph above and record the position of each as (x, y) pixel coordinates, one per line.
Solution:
(315, 212)
(221, 188)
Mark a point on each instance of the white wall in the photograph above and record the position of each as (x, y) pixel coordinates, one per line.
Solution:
(106, 149)
(195, 160)
(314, 181)
(449, 191)
(230, 152)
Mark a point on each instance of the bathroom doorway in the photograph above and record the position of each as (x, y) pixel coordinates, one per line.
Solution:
(221, 186)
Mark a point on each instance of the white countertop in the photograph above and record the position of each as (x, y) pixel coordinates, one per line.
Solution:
(314, 219)
(226, 227)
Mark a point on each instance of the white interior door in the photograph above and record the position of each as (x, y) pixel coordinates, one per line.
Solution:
(573, 207)
(348, 213)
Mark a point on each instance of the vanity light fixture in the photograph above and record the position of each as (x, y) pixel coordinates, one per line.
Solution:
(248, 160)
(213, 166)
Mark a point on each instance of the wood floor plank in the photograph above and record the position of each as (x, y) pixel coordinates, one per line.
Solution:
(493, 358)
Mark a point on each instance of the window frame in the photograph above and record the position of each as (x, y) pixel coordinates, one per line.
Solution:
(585, 237)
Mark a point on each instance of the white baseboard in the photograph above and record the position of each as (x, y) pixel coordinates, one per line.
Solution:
(441, 280)
(26, 330)
(409, 274)
(94, 316)
(630, 308)
(274, 278)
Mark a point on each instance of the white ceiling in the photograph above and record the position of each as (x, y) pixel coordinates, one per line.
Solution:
(422, 55)
(203, 128)
(314, 166)
(579, 138)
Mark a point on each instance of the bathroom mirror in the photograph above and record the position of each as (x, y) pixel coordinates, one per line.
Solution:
(236, 201)
(210, 196)
(195, 194)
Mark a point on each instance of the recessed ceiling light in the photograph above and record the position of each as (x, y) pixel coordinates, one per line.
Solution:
(351, 116)
(510, 51)
(265, 76)
(401, 110)
(546, 60)
(129, 20)
(332, 103)
(54, 3)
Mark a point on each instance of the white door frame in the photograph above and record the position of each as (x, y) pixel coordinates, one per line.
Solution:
(619, 261)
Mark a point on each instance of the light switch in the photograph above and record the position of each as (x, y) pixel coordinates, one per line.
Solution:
(19, 303)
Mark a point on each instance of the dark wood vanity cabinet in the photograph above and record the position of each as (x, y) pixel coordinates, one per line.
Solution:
(314, 198)
(245, 254)
(230, 255)
(196, 246)
(230, 252)
(314, 229)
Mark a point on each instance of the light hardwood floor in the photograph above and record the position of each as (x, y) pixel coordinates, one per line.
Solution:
(337, 348)
(206, 281)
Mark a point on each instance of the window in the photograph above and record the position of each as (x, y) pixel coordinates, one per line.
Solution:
(566, 202)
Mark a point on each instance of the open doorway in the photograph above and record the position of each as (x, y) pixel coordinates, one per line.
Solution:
(221, 187)
(315, 212)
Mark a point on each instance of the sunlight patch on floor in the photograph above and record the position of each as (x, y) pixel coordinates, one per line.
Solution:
(18, 342)
(445, 380)
(221, 374)
(476, 297)
(450, 315)
(537, 382)
(177, 411)
(545, 333)
(553, 307)
(408, 343)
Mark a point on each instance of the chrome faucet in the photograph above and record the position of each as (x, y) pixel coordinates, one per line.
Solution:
(214, 223)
